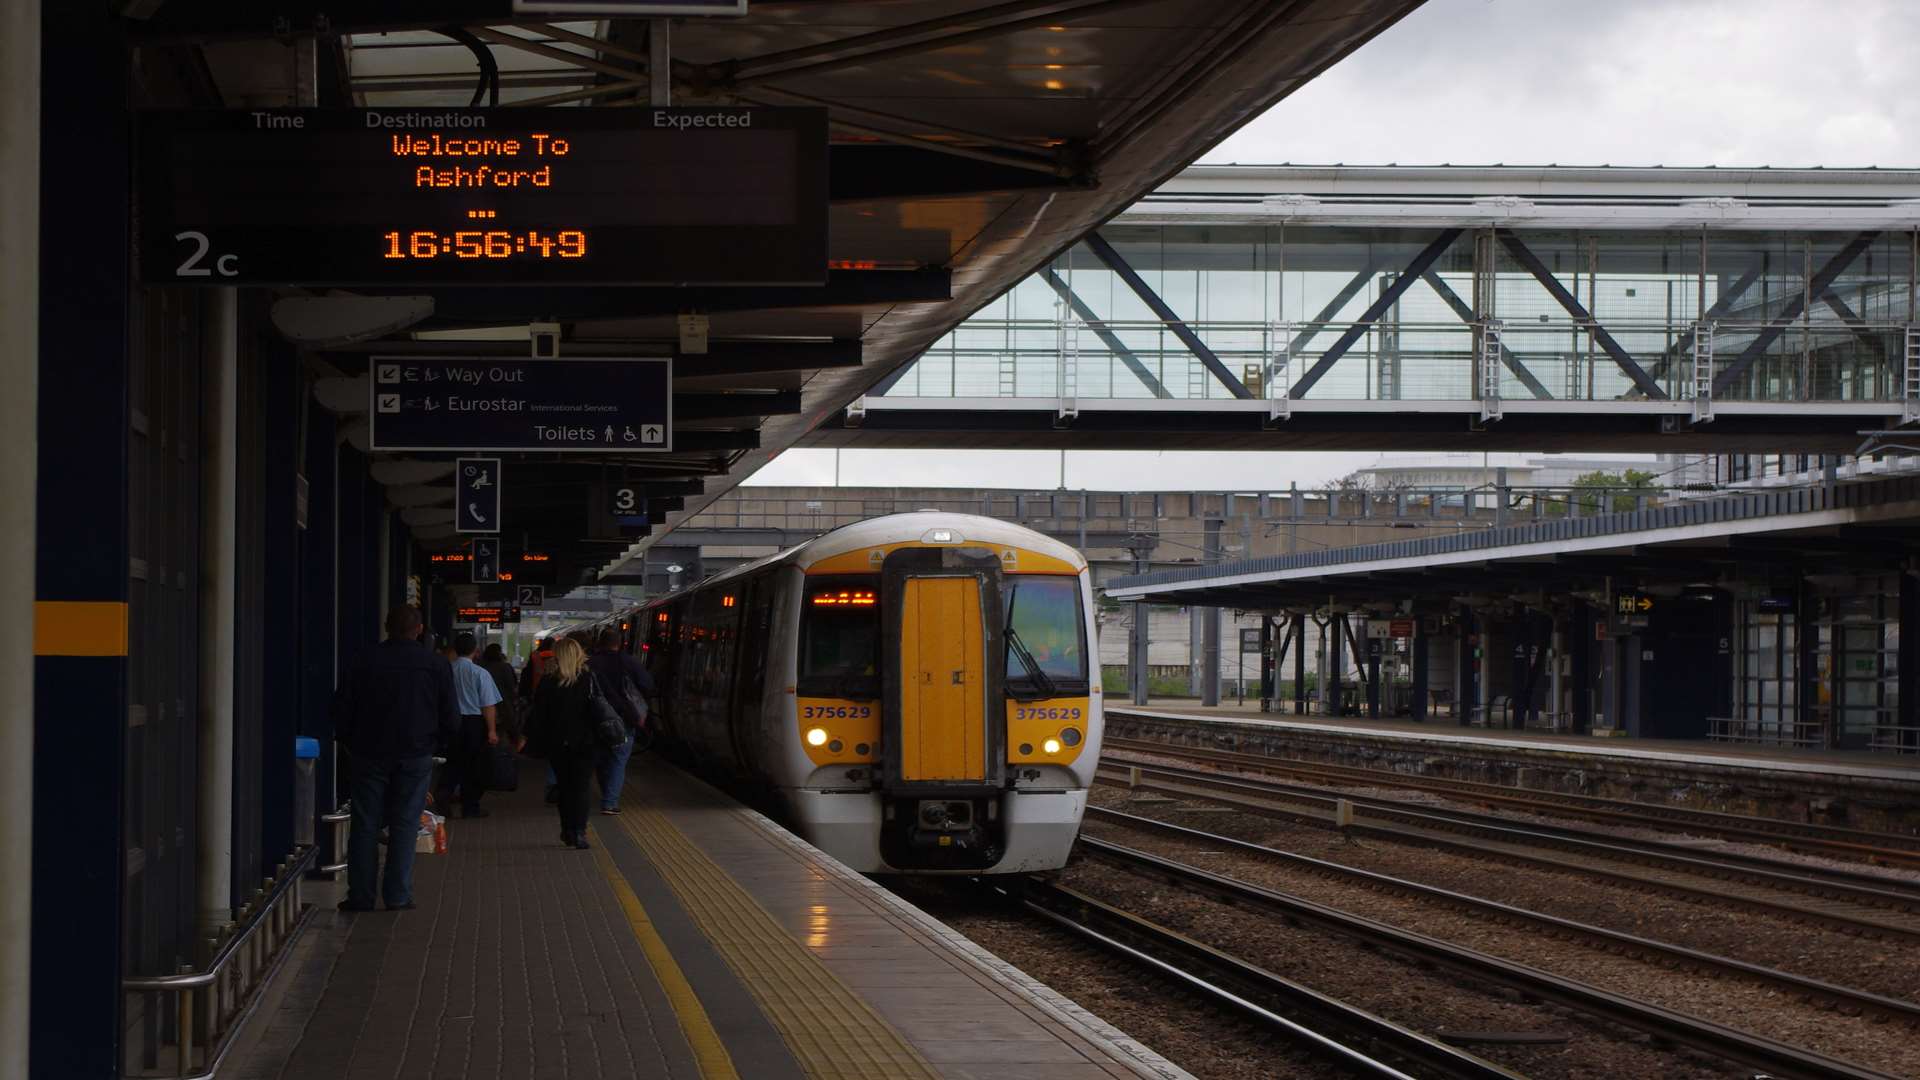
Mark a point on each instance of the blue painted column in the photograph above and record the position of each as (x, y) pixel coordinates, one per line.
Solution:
(80, 535)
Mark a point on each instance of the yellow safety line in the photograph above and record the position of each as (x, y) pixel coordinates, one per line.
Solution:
(79, 628)
(708, 1051)
(832, 1032)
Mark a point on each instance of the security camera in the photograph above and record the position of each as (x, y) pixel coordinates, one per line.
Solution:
(544, 340)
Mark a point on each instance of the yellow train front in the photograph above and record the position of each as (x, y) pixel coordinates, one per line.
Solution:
(918, 692)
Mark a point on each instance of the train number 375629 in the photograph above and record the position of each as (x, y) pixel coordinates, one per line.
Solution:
(1046, 712)
(836, 712)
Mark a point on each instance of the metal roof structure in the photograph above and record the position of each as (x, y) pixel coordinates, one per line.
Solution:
(970, 143)
(1848, 526)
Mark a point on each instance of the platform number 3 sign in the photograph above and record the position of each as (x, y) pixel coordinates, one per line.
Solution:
(627, 507)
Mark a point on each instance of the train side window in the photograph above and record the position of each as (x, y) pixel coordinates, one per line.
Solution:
(840, 638)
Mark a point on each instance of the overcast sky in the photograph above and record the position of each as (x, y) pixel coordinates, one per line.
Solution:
(1523, 82)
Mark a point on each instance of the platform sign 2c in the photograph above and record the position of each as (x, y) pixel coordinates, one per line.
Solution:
(476, 504)
(485, 563)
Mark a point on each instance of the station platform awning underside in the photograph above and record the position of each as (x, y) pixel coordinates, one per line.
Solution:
(1853, 528)
(970, 143)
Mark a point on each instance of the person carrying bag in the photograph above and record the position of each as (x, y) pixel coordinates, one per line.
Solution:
(570, 724)
(626, 684)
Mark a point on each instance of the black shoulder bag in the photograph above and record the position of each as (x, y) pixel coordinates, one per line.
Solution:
(609, 730)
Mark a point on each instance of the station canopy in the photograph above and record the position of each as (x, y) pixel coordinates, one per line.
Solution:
(969, 143)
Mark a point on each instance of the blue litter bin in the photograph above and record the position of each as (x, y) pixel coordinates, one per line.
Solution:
(306, 763)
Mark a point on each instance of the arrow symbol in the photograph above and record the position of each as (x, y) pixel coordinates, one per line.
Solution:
(389, 403)
(389, 373)
(1646, 604)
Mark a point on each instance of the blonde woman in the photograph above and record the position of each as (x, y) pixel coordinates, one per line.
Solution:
(562, 728)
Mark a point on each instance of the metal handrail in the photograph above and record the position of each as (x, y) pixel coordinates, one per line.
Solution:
(339, 819)
(276, 916)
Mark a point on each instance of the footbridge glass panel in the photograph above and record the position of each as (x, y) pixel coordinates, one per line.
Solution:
(1464, 312)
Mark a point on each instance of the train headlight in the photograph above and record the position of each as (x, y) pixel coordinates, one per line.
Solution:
(817, 737)
(1070, 736)
(1051, 746)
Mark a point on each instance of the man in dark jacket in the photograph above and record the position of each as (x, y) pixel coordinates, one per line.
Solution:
(625, 682)
(390, 711)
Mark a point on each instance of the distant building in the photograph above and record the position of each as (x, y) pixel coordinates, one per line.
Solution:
(1468, 471)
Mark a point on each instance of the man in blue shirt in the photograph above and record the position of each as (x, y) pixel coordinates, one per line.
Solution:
(392, 707)
(470, 759)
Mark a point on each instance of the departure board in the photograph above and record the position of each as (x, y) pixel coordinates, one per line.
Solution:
(601, 196)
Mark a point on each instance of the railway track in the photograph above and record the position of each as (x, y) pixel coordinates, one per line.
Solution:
(1661, 952)
(1888, 849)
(1368, 1044)
(1772, 1057)
(1856, 904)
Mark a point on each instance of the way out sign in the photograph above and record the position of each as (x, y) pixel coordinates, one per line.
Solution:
(622, 406)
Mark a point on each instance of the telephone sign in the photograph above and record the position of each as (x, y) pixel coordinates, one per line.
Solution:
(476, 503)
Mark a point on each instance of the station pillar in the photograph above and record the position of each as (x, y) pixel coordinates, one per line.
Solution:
(1909, 656)
(1417, 644)
(80, 534)
(1268, 662)
(1300, 664)
(1139, 640)
(1467, 685)
(1580, 647)
(19, 355)
(1332, 700)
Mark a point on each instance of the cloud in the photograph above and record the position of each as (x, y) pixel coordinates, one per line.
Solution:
(1626, 82)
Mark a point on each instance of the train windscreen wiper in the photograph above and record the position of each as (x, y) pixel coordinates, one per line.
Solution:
(1042, 682)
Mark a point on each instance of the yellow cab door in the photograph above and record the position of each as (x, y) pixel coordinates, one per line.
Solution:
(942, 678)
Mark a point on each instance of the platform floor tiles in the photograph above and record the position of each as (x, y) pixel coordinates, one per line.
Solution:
(697, 939)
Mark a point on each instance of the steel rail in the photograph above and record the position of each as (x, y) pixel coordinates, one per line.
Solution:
(1838, 885)
(1210, 972)
(1865, 1001)
(1663, 1023)
(1711, 890)
(1793, 835)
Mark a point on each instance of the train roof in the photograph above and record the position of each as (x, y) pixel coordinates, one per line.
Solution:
(898, 529)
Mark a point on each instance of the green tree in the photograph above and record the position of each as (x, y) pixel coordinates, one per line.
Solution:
(1620, 489)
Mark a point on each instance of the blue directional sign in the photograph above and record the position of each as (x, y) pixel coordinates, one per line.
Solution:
(476, 504)
(476, 403)
(485, 563)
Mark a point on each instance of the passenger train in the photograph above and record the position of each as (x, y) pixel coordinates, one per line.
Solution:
(917, 693)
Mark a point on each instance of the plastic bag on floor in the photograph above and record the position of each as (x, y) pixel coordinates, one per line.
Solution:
(432, 839)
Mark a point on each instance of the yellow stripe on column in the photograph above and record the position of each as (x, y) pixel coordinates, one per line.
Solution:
(79, 628)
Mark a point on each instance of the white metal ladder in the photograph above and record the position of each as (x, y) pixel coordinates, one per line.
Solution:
(1490, 350)
(1279, 379)
(1703, 372)
(1068, 378)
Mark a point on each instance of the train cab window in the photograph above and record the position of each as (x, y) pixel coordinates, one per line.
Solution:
(840, 638)
(1046, 636)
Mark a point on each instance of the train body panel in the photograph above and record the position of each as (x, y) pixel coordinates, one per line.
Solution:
(918, 691)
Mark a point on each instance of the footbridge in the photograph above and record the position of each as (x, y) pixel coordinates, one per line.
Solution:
(1290, 307)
